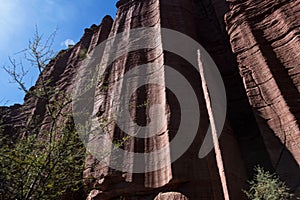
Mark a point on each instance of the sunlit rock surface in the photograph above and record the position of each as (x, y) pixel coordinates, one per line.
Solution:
(256, 49)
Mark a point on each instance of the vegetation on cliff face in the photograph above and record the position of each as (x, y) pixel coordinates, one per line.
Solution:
(37, 168)
(267, 186)
(47, 159)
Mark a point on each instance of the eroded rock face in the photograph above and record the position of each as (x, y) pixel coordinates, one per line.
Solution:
(193, 177)
(265, 39)
(170, 196)
(62, 72)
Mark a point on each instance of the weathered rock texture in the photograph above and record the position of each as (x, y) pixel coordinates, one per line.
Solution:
(195, 178)
(264, 38)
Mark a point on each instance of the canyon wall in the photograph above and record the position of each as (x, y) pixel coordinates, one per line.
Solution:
(264, 36)
(192, 177)
(255, 50)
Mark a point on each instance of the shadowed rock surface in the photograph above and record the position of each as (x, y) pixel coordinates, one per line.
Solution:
(256, 50)
(265, 39)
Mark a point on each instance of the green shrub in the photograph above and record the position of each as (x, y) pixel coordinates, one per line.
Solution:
(267, 186)
(37, 169)
(45, 160)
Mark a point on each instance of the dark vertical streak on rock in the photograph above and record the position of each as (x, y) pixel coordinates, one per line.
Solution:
(264, 36)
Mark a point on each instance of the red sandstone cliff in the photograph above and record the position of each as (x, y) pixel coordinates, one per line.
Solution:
(193, 177)
(264, 36)
(264, 39)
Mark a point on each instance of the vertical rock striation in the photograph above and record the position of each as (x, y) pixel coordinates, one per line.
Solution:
(255, 49)
(264, 36)
(193, 177)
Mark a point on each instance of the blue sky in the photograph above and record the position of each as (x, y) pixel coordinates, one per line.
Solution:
(18, 19)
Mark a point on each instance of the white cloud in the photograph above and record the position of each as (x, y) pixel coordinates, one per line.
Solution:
(68, 42)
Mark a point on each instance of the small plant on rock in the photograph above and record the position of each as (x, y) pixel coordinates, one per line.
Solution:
(267, 186)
